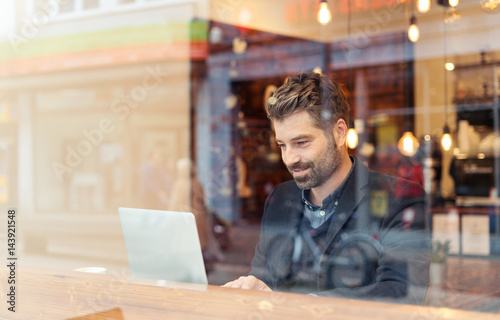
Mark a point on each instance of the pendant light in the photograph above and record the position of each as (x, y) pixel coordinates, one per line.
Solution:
(408, 144)
(413, 32)
(324, 14)
(446, 141)
(446, 138)
(450, 66)
(352, 135)
(423, 6)
(352, 138)
(448, 3)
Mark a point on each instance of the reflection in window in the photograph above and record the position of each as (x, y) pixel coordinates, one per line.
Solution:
(3, 158)
(90, 4)
(67, 6)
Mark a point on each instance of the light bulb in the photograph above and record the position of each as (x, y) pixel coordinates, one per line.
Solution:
(352, 138)
(453, 3)
(423, 6)
(449, 66)
(413, 33)
(446, 138)
(408, 144)
(324, 14)
(446, 141)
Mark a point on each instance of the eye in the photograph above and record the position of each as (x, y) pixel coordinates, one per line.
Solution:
(281, 145)
(302, 143)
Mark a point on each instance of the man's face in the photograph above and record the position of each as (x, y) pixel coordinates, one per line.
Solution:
(310, 156)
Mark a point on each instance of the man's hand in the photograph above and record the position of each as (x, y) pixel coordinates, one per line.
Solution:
(249, 282)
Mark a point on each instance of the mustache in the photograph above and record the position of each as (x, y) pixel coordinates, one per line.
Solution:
(299, 166)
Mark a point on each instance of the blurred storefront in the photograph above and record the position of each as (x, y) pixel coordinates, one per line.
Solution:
(88, 93)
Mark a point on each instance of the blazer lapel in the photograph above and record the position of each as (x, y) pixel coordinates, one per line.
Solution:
(354, 191)
(293, 211)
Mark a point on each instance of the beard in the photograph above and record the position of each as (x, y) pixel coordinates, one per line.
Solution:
(321, 169)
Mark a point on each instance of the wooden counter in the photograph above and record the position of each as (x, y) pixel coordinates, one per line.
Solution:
(53, 294)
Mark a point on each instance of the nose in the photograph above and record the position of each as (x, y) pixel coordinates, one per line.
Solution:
(290, 157)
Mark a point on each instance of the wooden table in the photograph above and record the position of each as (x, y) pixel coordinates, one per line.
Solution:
(472, 283)
(54, 294)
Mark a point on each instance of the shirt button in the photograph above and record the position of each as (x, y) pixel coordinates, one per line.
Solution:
(322, 212)
(336, 202)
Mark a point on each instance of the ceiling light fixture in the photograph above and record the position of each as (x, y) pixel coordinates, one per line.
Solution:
(408, 144)
(413, 32)
(324, 14)
(448, 3)
(446, 141)
(352, 138)
(352, 135)
(446, 138)
(423, 6)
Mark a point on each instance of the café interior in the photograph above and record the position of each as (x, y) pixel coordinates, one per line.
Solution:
(159, 105)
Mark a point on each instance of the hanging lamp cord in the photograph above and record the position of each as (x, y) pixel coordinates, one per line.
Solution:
(445, 57)
(349, 66)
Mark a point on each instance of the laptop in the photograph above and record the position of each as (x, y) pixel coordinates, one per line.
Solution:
(163, 245)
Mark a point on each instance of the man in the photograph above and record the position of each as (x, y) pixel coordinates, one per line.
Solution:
(338, 229)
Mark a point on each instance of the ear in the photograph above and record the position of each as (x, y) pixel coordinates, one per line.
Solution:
(340, 132)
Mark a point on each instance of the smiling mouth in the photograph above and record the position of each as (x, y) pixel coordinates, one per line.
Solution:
(298, 172)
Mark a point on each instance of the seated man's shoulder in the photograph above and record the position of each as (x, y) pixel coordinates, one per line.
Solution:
(399, 186)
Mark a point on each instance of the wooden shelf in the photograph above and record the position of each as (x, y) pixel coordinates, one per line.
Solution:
(468, 210)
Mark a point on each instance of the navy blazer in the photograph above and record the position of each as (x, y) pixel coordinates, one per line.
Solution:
(389, 212)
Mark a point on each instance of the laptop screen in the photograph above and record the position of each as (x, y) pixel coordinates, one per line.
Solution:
(163, 245)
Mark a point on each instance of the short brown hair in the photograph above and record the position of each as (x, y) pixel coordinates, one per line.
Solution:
(323, 98)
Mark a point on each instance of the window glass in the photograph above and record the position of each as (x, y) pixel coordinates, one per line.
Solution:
(161, 105)
(90, 4)
(67, 6)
